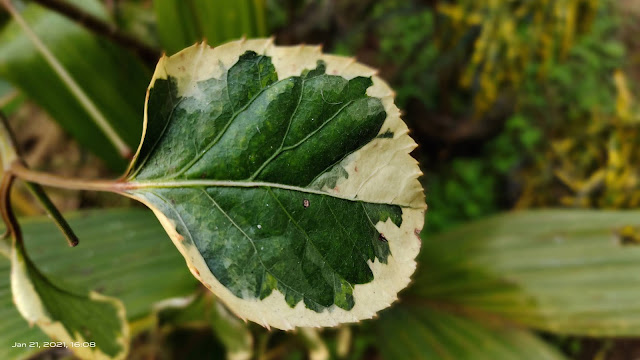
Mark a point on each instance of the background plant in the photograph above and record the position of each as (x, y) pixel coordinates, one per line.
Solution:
(515, 105)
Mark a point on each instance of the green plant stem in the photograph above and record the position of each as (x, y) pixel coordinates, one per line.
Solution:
(9, 218)
(11, 158)
(8, 156)
(87, 104)
(260, 17)
(8, 149)
(5, 248)
(53, 212)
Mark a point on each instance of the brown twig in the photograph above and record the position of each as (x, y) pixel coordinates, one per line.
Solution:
(96, 25)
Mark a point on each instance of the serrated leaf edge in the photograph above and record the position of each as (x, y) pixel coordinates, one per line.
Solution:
(394, 182)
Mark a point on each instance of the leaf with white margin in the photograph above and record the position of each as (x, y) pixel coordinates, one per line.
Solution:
(96, 322)
(284, 178)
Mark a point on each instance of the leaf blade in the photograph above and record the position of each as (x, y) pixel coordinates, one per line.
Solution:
(69, 316)
(559, 271)
(410, 332)
(24, 67)
(123, 256)
(182, 23)
(283, 131)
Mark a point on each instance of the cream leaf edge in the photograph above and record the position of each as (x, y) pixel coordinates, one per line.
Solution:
(382, 171)
(28, 303)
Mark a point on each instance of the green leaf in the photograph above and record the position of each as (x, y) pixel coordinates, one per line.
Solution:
(14, 329)
(568, 272)
(419, 332)
(181, 23)
(283, 176)
(100, 68)
(122, 255)
(70, 316)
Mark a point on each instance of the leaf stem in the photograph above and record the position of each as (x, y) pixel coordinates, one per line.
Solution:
(54, 213)
(22, 172)
(75, 89)
(5, 248)
(99, 27)
(8, 149)
(9, 218)
(10, 158)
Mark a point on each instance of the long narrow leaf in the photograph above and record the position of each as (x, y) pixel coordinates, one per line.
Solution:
(568, 272)
(419, 332)
(111, 77)
(184, 22)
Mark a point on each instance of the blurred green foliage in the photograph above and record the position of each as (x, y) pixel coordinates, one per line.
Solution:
(99, 67)
(515, 104)
(181, 23)
(550, 74)
(587, 158)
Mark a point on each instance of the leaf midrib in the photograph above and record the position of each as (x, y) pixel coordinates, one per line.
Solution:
(132, 186)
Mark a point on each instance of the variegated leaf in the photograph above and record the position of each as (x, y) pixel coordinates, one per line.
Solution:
(283, 176)
(91, 325)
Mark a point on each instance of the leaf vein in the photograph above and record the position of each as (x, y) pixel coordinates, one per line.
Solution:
(250, 240)
(233, 117)
(284, 138)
